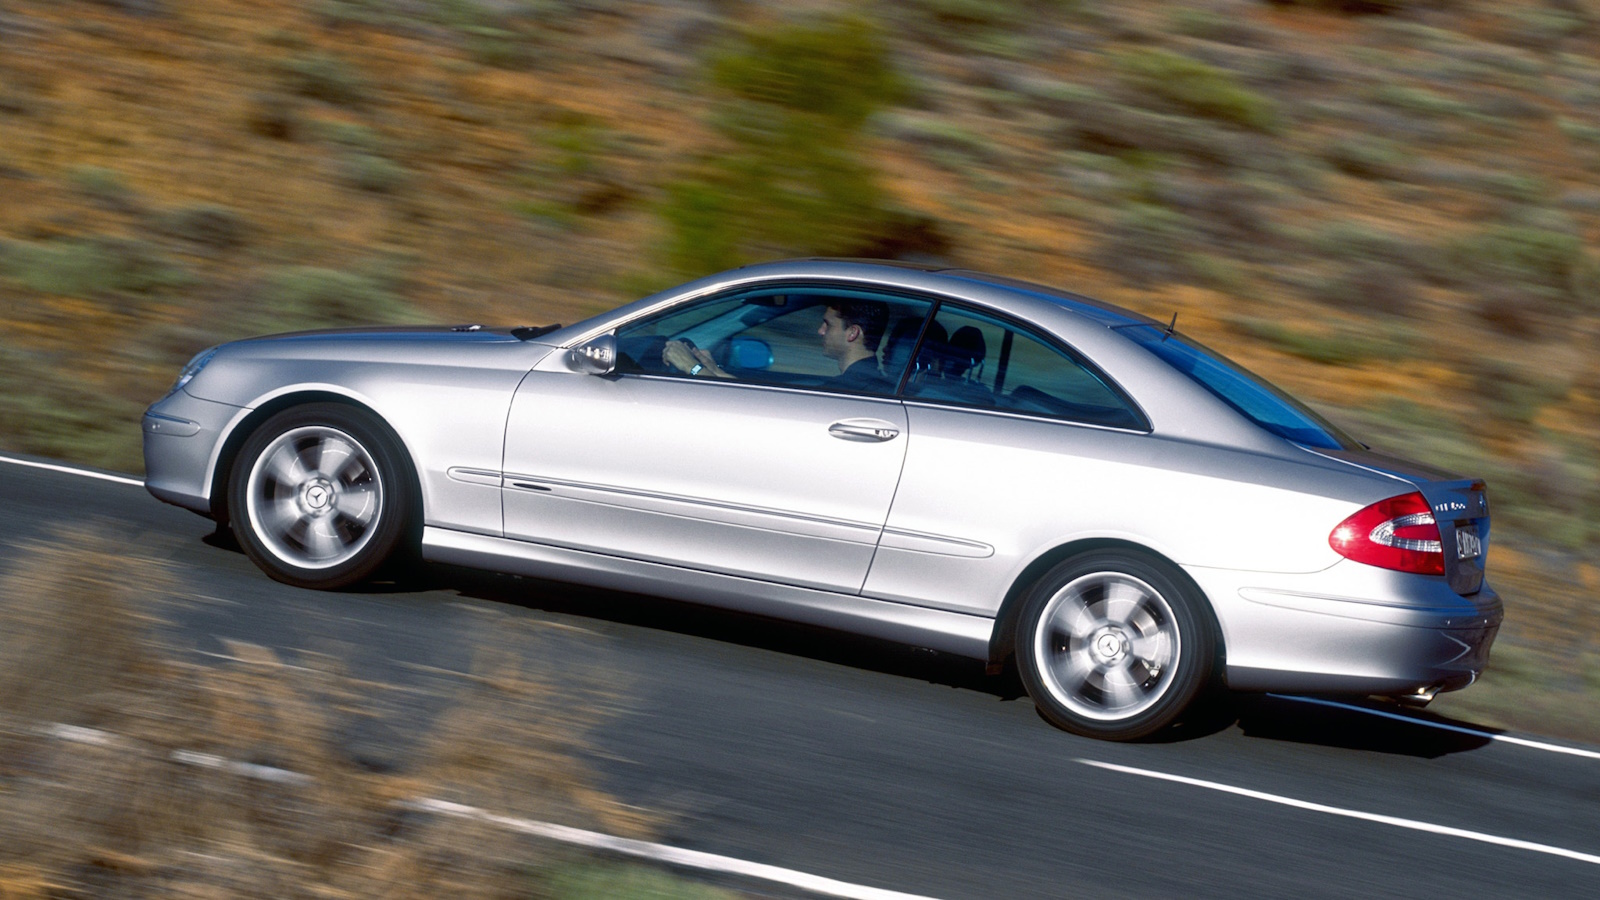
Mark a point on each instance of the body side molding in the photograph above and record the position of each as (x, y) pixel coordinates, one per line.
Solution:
(950, 632)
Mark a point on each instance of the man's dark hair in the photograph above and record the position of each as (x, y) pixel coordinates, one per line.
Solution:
(871, 316)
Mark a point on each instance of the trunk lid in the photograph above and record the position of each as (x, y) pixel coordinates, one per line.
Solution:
(1460, 508)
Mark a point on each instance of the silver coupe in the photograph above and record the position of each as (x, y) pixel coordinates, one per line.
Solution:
(948, 459)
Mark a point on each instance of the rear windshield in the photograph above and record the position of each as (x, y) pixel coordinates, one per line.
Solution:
(1251, 395)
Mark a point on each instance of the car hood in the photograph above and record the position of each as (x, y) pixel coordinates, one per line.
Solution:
(398, 333)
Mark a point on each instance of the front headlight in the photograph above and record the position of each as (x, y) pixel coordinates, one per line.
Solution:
(192, 368)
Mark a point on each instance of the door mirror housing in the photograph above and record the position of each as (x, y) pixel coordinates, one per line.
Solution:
(594, 357)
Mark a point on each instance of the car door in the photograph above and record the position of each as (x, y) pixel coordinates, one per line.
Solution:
(769, 474)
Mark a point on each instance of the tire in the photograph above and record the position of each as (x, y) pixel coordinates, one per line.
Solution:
(1114, 644)
(322, 496)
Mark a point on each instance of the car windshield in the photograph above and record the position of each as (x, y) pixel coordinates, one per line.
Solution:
(1250, 394)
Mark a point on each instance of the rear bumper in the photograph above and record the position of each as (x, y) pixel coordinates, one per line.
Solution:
(182, 437)
(1350, 629)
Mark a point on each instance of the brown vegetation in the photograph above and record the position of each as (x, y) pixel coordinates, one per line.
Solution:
(126, 771)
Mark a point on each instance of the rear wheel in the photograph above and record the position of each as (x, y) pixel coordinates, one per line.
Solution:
(321, 495)
(1114, 645)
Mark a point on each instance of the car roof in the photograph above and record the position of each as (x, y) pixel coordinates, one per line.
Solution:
(886, 270)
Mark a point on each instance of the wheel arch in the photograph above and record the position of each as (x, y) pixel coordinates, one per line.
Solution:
(1002, 642)
(247, 426)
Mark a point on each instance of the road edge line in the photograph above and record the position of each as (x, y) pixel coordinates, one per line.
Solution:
(73, 470)
(1396, 821)
(1461, 729)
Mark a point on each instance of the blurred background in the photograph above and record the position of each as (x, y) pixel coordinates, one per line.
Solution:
(1389, 207)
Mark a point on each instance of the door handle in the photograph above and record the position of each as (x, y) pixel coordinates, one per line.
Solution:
(863, 430)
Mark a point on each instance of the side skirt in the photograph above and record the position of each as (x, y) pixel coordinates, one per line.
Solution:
(936, 629)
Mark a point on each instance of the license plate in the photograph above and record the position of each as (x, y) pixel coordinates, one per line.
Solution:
(1468, 546)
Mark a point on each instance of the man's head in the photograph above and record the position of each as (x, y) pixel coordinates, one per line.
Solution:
(851, 330)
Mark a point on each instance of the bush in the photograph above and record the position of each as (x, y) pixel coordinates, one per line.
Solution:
(1362, 7)
(1423, 102)
(89, 267)
(837, 71)
(1522, 254)
(1334, 348)
(793, 101)
(1366, 157)
(974, 17)
(1354, 242)
(104, 186)
(1197, 87)
(1144, 243)
(374, 173)
(326, 77)
(208, 225)
(311, 297)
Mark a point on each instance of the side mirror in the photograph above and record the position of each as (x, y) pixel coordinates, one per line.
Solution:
(596, 357)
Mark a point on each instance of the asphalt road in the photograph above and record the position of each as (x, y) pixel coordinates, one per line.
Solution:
(900, 769)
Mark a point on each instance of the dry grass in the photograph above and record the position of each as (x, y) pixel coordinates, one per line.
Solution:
(147, 798)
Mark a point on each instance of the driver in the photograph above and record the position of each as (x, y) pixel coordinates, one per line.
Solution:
(850, 332)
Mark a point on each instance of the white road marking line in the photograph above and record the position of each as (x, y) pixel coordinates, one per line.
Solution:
(72, 470)
(676, 856)
(1488, 735)
(1397, 822)
(594, 840)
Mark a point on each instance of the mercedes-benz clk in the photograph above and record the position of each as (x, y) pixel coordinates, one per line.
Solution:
(938, 457)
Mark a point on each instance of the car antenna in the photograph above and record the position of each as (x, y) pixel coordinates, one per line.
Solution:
(1170, 326)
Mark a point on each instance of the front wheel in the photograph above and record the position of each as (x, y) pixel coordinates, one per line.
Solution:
(321, 495)
(1114, 645)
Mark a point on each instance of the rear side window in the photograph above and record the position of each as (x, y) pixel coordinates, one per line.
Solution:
(1254, 397)
(971, 359)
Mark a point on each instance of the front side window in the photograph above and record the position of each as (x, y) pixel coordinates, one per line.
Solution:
(1254, 398)
(826, 338)
(972, 359)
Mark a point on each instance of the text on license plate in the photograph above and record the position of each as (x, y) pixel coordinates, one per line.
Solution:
(1468, 545)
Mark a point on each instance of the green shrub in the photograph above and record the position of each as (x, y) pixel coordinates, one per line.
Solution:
(353, 136)
(1522, 254)
(311, 297)
(1423, 102)
(838, 71)
(1144, 243)
(1366, 157)
(322, 76)
(208, 225)
(374, 173)
(89, 267)
(1212, 25)
(1335, 348)
(1197, 87)
(1349, 241)
(101, 185)
(1372, 285)
(987, 15)
(792, 103)
(1362, 7)
(1579, 131)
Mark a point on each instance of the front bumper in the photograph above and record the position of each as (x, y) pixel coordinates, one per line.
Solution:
(182, 440)
(1351, 628)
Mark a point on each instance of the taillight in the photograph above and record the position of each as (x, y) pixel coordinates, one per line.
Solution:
(1397, 533)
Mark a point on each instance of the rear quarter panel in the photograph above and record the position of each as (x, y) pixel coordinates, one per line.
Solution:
(1025, 487)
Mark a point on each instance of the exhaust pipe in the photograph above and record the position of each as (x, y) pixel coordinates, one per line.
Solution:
(1418, 698)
